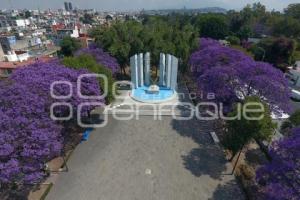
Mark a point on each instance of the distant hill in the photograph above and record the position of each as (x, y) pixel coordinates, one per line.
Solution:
(185, 11)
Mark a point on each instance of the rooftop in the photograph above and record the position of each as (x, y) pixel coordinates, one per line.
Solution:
(14, 65)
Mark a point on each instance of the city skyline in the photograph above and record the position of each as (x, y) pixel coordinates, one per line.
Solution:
(125, 5)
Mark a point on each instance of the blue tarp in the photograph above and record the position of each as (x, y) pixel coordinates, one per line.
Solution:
(86, 134)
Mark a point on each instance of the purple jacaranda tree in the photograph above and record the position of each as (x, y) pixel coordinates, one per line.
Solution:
(29, 137)
(280, 179)
(102, 57)
(40, 76)
(208, 42)
(231, 76)
(212, 54)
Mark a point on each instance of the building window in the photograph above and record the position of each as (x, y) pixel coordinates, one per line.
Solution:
(7, 72)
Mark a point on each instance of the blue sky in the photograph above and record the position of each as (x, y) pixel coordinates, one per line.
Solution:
(140, 4)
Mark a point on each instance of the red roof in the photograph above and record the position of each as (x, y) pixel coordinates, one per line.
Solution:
(14, 65)
(57, 27)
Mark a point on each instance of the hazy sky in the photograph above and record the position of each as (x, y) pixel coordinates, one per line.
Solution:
(140, 4)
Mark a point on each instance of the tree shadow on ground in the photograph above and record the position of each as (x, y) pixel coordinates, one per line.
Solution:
(93, 119)
(206, 160)
(255, 157)
(195, 129)
(229, 191)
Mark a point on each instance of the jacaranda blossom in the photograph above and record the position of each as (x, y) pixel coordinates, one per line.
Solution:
(29, 137)
(232, 75)
(279, 179)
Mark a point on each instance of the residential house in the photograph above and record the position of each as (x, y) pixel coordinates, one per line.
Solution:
(1, 54)
(17, 56)
(85, 40)
(74, 33)
(6, 68)
(7, 42)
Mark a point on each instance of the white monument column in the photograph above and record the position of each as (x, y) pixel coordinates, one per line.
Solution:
(141, 70)
(147, 69)
(168, 70)
(134, 71)
(162, 70)
(174, 72)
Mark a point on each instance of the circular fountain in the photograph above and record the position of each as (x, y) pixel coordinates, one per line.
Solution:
(145, 92)
(147, 95)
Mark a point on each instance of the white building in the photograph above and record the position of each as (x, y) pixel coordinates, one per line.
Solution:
(293, 77)
(17, 56)
(22, 22)
(1, 54)
(74, 33)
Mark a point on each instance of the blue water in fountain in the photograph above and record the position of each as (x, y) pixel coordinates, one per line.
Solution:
(141, 94)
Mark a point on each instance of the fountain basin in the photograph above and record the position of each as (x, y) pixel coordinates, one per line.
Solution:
(142, 94)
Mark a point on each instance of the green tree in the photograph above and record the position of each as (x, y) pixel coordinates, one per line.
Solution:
(170, 34)
(27, 14)
(295, 118)
(293, 10)
(122, 40)
(247, 14)
(252, 19)
(235, 21)
(286, 26)
(89, 63)
(186, 40)
(245, 32)
(233, 40)
(213, 26)
(258, 52)
(278, 51)
(156, 34)
(258, 9)
(87, 19)
(69, 46)
(292, 122)
(241, 131)
(158, 37)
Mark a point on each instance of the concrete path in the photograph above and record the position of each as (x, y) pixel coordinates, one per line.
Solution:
(148, 159)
